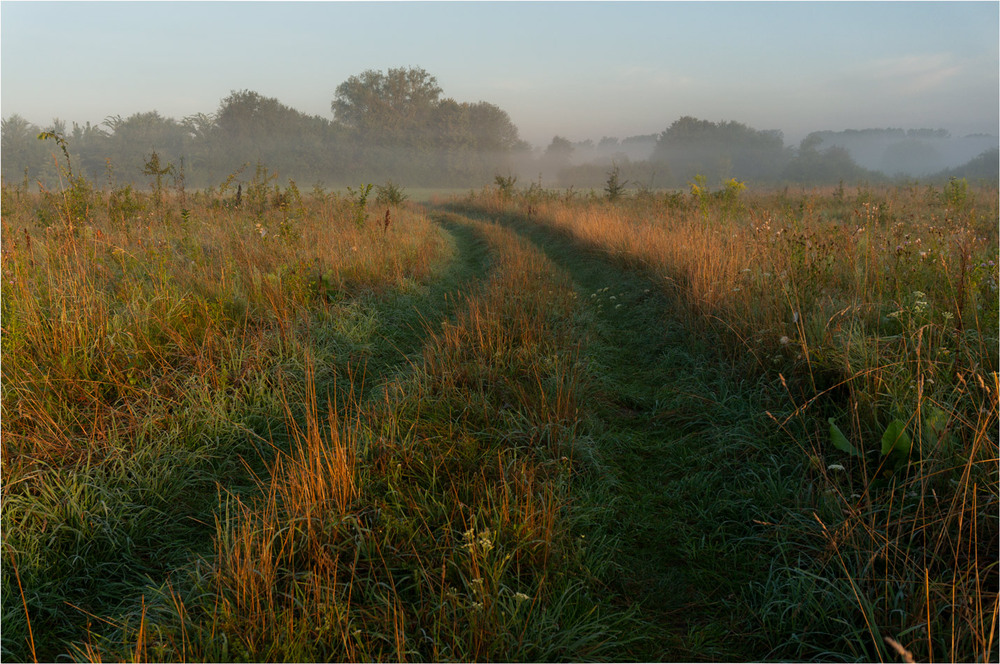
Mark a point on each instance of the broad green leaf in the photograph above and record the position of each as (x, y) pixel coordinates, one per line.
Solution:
(896, 439)
(840, 441)
(935, 424)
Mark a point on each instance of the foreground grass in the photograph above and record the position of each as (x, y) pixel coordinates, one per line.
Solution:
(542, 429)
(262, 434)
(878, 312)
(143, 360)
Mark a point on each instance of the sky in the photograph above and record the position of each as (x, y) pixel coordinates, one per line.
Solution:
(583, 70)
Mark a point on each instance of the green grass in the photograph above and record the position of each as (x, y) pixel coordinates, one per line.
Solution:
(894, 333)
(531, 428)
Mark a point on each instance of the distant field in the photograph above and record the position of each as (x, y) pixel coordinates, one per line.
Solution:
(503, 424)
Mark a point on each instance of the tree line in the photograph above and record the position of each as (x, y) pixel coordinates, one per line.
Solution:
(398, 126)
(387, 125)
(721, 151)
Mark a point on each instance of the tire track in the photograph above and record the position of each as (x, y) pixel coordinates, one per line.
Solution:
(672, 424)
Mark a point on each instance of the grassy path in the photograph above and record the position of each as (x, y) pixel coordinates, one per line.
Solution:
(677, 432)
(402, 321)
(142, 540)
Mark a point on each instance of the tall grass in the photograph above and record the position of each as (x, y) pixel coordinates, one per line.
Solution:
(422, 524)
(877, 308)
(197, 466)
(142, 356)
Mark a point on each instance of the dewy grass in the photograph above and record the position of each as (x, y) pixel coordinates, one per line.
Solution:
(880, 312)
(189, 407)
(255, 430)
(418, 525)
(142, 359)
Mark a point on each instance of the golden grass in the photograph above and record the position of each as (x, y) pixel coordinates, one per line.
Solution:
(874, 305)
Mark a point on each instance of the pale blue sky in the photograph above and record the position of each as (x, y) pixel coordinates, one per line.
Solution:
(579, 69)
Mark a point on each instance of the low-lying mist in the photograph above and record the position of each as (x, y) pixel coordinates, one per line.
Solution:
(397, 126)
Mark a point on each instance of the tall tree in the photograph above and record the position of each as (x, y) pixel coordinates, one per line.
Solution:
(391, 108)
(721, 150)
(493, 129)
(21, 149)
(251, 127)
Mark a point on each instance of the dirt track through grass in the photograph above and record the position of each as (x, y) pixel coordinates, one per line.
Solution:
(408, 318)
(674, 427)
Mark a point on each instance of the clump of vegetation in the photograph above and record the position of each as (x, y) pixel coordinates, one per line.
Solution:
(615, 186)
(154, 168)
(390, 194)
(359, 202)
(505, 184)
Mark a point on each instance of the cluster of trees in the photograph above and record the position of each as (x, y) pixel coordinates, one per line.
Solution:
(397, 125)
(719, 151)
(913, 152)
(724, 150)
(388, 125)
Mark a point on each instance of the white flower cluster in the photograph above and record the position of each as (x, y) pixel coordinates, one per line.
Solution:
(482, 543)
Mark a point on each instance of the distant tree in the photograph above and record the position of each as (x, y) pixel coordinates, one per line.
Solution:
(640, 139)
(399, 126)
(493, 129)
(560, 149)
(249, 117)
(985, 167)
(129, 140)
(721, 150)
(200, 125)
(393, 108)
(834, 164)
(250, 127)
(20, 149)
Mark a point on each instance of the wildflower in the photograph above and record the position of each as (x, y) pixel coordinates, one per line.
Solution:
(836, 467)
(521, 597)
(784, 341)
(485, 541)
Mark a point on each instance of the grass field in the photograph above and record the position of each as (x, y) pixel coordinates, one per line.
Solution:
(505, 425)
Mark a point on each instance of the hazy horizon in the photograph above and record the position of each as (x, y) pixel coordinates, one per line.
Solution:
(580, 70)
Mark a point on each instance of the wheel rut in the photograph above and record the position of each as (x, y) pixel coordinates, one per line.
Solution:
(670, 418)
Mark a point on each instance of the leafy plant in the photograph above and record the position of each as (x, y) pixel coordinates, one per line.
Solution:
(77, 198)
(158, 171)
(615, 186)
(505, 184)
(389, 194)
(359, 201)
(700, 193)
(956, 193)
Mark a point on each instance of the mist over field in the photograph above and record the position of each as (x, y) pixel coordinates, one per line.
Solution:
(399, 126)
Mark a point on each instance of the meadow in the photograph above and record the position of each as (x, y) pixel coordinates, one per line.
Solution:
(513, 424)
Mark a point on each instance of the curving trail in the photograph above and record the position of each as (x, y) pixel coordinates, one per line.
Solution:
(673, 427)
